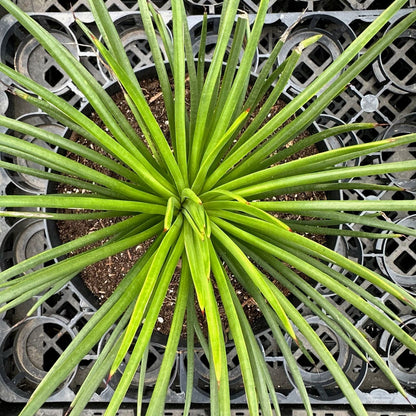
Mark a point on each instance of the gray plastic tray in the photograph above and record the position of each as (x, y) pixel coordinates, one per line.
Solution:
(383, 93)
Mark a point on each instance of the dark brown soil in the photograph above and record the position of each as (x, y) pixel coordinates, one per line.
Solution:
(103, 277)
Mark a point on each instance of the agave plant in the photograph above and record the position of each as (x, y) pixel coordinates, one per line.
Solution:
(205, 196)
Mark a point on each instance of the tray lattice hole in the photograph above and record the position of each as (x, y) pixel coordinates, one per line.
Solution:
(319, 55)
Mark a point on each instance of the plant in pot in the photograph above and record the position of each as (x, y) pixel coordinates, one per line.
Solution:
(204, 192)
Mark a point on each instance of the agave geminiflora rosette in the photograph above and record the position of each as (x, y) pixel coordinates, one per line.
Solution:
(203, 196)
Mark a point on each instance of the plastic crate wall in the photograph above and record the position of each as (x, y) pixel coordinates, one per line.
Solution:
(384, 93)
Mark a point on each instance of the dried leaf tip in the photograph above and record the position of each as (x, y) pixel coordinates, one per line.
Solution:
(286, 34)
(9, 88)
(297, 342)
(20, 322)
(69, 411)
(71, 7)
(407, 398)
(110, 376)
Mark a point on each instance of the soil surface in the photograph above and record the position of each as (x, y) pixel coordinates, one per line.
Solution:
(103, 277)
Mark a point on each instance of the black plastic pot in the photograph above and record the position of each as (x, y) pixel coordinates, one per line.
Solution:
(113, 88)
(201, 366)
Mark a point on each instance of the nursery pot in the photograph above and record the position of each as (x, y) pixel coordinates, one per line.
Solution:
(113, 88)
(259, 327)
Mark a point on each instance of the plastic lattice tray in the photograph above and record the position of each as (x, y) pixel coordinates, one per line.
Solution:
(250, 6)
(384, 93)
